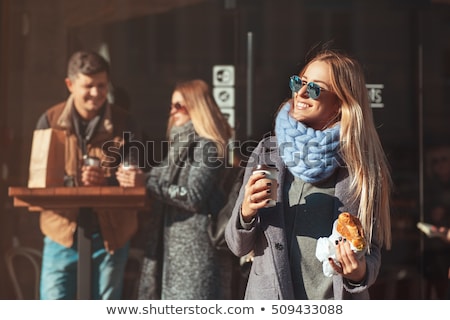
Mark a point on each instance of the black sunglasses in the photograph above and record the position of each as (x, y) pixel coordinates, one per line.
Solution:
(313, 89)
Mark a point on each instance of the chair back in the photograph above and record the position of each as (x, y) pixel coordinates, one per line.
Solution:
(18, 261)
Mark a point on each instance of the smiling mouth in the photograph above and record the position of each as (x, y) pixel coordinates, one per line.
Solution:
(301, 105)
(93, 102)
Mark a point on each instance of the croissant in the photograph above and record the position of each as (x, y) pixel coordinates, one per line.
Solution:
(350, 228)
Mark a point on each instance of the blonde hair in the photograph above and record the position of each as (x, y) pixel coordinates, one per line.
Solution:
(207, 118)
(360, 145)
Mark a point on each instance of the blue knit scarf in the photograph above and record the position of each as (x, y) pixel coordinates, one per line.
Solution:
(312, 155)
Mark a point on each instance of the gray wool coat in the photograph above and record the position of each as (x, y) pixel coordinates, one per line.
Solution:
(186, 195)
(270, 275)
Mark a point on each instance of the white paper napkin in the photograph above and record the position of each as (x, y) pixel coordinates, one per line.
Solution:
(326, 247)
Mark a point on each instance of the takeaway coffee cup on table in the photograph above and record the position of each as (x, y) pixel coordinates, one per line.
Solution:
(90, 161)
(130, 164)
(91, 171)
(271, 173)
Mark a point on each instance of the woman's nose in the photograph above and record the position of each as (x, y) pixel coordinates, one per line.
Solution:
(303, 92)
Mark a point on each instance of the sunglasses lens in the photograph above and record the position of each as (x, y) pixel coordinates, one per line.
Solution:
(177, 106)
(295, 83)
(313, 90)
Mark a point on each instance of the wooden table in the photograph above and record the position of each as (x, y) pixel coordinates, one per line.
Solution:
(85, 199)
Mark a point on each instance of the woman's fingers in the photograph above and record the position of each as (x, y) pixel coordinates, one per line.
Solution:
(258, 188)
(256, 195)
(130, 177)
(349, 265)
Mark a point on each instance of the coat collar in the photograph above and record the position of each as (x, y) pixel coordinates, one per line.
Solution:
(65, 119)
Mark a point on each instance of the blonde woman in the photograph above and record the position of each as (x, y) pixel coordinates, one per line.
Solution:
(330, 160)
(184, 184)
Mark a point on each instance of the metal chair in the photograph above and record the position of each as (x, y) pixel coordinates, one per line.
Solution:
(33, 257)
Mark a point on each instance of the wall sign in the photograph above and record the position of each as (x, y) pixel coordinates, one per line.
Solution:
(224, 96)
(223, 75)
(223, 90)
(375, 92)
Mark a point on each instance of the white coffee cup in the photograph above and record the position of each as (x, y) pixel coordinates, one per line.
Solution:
(91, 161)
(272, 174)
(128, 164)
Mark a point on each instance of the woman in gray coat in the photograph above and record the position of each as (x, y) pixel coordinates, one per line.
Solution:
(329, 160)
(185, 185)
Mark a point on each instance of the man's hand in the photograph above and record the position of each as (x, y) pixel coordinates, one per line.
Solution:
(92, 176)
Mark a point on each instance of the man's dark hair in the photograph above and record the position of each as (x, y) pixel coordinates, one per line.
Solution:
(87, 63)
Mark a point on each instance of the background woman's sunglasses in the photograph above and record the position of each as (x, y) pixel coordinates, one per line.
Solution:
(313, 89)
(177, 106)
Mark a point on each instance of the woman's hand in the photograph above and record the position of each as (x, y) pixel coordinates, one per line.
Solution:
(351, 268)
(256, 196)
(130, 177)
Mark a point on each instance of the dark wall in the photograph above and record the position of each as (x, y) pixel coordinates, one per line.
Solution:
(403, 45)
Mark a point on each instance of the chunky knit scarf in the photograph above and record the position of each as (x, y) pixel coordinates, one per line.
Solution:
(312, 155)
(182, 134)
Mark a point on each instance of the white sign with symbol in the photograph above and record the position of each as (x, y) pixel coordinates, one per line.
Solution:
(223, 75)
(224, 96)
(375, 92)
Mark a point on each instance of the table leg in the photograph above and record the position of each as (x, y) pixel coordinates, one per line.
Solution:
(84, 254)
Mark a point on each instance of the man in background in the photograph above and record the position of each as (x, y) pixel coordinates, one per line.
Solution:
(88, 121)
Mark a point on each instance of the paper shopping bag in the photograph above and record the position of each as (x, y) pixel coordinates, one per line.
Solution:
(47, 159)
